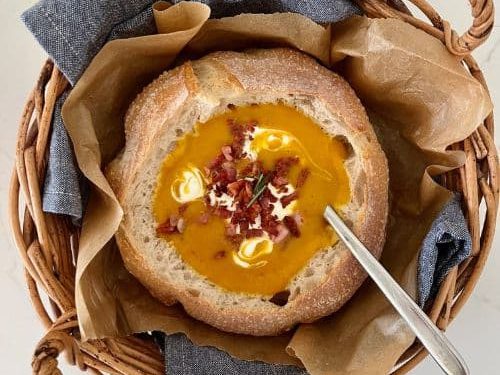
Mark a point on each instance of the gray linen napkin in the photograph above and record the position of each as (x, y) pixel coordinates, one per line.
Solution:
(183, 357)
(447, 244)
(73, 31)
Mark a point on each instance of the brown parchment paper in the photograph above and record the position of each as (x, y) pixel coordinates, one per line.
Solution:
(420, 99)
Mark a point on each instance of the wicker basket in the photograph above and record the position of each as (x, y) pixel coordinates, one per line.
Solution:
(48, 244)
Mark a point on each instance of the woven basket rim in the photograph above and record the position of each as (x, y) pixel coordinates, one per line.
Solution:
(48, 244)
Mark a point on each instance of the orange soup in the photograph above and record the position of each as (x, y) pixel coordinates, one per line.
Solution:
(241, 197)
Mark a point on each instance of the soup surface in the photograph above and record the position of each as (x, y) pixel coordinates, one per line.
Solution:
(241, 197)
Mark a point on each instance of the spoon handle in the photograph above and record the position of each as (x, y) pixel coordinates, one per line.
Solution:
(429, 335)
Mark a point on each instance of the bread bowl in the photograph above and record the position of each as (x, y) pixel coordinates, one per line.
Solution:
(187, 233)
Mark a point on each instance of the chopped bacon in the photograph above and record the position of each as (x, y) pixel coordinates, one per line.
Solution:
(166, 228)
(253, 211)
(267, 194)
(303, 175)
(236, 239)
(227, 151)
(220, 254)
(282, 233)
(269, 223)
(238, 133)
(203, 218)
(237, 149)
(264, 203)
(237, 215)
(235, 187)
(231, 229)
(245, 194)
(254, 233)
(287, 199)
(181, 224)
(227, 173)
(279, 181)
(169, 226)
(222, 212)
(174, 219)
(244, 225)
(298, 219)
(182, 208)
(248, 189)
(283, 165)
(292, 225)
(252, 169)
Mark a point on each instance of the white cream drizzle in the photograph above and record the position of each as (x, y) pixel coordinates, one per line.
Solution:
(225, 200)
(273, 140)
(251, 249)
(188, 186)
(278, 210)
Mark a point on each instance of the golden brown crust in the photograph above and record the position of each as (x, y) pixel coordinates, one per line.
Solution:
(281, 72)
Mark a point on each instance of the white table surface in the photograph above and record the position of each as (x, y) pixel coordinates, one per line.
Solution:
(475, 332)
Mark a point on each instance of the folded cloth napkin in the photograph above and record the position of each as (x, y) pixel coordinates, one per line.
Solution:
(446, 245)
(73, 31)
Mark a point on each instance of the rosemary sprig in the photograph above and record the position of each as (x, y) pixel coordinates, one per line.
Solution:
(258, 189)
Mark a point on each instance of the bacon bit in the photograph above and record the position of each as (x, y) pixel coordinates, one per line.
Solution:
(267, 194)
(237, 215)
(174, 219)
(286, 200)
(222, 212)
(273, 227)
(238, 133)
(245, 194)
(248, 189)
(292, 226)
(264, 203)
(298, 219)
(230, 172)
(282, 233)
(182, 208)
(238, 149)
(254, 233)
(227, 151)
(169, 226)
(303, 175)
(244, 226)
(283, 165)
(165, 228)
(235, 187)
(279, 181)
(181, 224)
(252, 169)
(231, 230)
(203, 218)
(220, 254)
(236, 239)
(253, 211)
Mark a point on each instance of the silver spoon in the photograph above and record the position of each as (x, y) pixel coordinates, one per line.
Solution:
(429, 335)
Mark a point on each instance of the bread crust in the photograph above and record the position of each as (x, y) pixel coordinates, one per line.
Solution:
(275, 72)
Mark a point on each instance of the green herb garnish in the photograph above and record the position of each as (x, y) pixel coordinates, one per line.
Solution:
(258, 189)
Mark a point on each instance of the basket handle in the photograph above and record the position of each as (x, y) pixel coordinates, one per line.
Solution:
(45, 357)
(478, 32)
